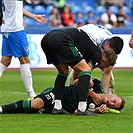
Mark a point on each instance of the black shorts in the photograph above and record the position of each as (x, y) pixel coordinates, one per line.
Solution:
(48, 98)
(69, 100)
(60, 49)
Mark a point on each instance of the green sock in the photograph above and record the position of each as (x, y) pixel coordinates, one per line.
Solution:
(21, 106)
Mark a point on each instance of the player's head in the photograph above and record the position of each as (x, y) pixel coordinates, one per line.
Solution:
(116, 43)
(108, 58)
(114, 101)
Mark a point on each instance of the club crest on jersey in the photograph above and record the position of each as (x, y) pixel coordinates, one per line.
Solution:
(27, 48)
(6, 35)
(96, 63)
(92, 105)
(3, 21)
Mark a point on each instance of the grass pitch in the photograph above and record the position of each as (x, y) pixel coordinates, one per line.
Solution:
(12, 89)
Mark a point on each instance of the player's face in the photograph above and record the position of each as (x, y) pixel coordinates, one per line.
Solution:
(103, 64)
(112, 101)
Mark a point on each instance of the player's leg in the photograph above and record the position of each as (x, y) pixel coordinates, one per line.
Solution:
(58, 56)
(22, 106)
(59, 88)
(6, 53)
(5, 62)
(20, 49)
(27, 75)
(71, 78)
(83, 84)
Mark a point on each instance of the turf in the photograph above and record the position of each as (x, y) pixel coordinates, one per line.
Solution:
(12, 89)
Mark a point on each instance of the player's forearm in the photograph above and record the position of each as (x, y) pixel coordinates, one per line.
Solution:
(105, 83)
(28, 14)
(91, 93)
(106, 78)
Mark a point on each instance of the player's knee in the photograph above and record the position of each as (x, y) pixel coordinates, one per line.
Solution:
(7, 63)
(36, 104)
(82, 66)
(24, 60)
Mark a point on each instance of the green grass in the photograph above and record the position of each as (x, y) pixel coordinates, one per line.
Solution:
(12, 89)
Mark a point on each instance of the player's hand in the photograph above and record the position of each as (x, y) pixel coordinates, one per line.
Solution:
(97, 99)
(131, 42)
(102, 109)
(40, 19)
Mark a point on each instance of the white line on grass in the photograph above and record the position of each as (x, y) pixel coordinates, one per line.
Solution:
(16, 93)
(125, 94)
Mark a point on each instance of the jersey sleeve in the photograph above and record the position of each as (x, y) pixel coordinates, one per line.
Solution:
(97, 32)
(103, 36)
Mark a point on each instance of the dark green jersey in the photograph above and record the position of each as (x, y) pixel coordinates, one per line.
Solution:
(70, 98)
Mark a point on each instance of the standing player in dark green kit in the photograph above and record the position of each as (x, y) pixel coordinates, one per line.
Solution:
(73, 47)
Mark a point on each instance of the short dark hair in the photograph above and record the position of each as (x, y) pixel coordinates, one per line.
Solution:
(116, 43)
(122, 103)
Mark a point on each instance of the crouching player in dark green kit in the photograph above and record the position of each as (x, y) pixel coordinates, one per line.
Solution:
(44, 102)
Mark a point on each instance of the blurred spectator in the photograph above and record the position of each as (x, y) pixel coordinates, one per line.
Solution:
(55, 23)
(121, 17)
(67, 17)
(120, 3)
(106, 3)
(91, 18)
(108, 19)
(51, 3)
(79, 19)
(100, 2)
(61, 5)
(38, 2)
(109, 3)
(131, 7)
(55, 18)
(35, 2)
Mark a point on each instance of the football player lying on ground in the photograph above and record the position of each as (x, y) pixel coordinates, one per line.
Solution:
(97, 102)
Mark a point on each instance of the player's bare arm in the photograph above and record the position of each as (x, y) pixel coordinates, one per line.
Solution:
(106, 78)
(39, 18)
(97, 99)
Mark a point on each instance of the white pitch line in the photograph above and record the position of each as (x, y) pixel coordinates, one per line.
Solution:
(16, 93)
(125, 94)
